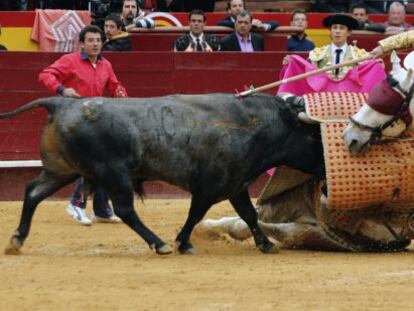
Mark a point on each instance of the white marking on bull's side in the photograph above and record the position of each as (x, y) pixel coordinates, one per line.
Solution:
(89, 103)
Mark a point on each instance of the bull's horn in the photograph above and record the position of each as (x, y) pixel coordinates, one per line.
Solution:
(305, 118)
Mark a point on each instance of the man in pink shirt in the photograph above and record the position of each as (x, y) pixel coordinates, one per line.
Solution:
(85, 74)
(242, 39)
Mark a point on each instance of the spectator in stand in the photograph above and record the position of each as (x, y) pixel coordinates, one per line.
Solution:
(335, 6)
(396, 19)
(234, 7)
(85, 74)
(242, 39)
(2, 47)
(116, 39)
(298, 42)
(196, 40)
(359, 12)
(133, 16)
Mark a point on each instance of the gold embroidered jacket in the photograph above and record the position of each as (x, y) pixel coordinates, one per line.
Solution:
(322, 57)
(399, 41)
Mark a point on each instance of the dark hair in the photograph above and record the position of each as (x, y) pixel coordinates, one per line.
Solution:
(297, 11)
(229, 2)
(244, 13)
(359, 6)
(137, 2)
(115, 18)
(89, 28)
(197, 12)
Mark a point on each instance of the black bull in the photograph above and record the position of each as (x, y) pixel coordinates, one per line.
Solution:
(211, 145)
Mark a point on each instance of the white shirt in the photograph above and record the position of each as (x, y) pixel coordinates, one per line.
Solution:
(194, 38)
(341, 56)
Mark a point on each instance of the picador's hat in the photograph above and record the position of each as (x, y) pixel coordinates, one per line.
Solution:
(341, 19)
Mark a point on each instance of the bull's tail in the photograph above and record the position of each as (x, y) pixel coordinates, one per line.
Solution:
(49, 103)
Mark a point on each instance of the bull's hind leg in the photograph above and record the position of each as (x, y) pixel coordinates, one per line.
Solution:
(121, 192)
(37, 190)
(244, 207)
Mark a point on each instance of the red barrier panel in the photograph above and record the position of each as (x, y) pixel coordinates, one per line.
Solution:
(366, 41)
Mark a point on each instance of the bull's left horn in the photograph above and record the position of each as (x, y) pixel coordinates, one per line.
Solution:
(305, 118)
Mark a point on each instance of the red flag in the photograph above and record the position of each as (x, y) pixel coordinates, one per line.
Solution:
(58, 30)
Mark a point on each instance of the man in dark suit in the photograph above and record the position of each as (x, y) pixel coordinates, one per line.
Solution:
(196, 40)
(242, 39)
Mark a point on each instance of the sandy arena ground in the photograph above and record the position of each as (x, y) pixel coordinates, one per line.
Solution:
(65, 266)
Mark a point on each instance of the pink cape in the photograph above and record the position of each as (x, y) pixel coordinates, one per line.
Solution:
(361, 78)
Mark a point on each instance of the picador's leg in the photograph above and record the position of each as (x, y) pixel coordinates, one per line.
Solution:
(234, 226)
(119, 187)
(244, 207)
(37, 190)
(199, 206)
(290, 235)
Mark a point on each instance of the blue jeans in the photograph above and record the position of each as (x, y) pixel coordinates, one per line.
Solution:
(101, 207)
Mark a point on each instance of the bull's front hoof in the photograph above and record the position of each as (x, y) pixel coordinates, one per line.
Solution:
(269, 248)
(14, 247)
(164, 250)
(186, 249)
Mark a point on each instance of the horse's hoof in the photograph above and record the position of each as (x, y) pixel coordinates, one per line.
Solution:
(164, 250)
(269, 248)
(14, 247)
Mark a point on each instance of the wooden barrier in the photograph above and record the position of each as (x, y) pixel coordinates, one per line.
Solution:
(366, 39)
